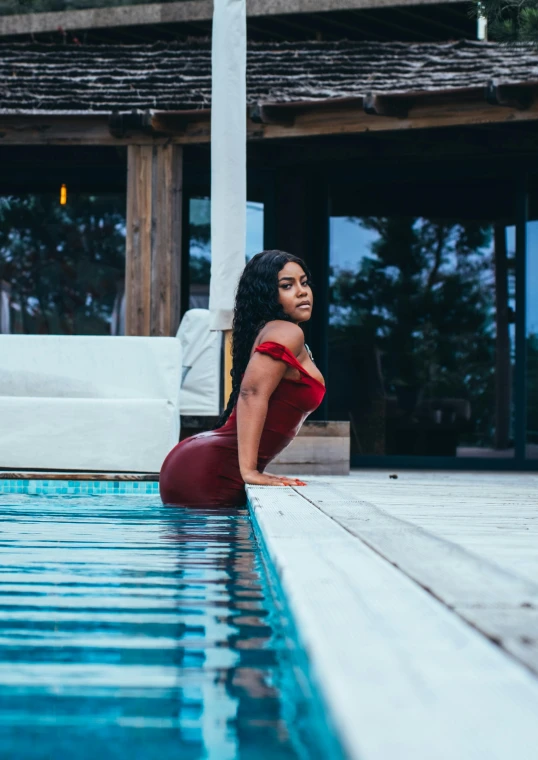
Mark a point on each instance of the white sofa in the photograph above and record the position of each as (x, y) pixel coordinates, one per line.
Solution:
(201, 375)
(88, 402)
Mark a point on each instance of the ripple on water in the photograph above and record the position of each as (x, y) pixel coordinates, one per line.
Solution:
(131, 630)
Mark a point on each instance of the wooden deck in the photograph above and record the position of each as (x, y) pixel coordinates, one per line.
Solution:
(417, 599)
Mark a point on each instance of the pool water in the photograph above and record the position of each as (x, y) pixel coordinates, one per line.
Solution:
(131, 630)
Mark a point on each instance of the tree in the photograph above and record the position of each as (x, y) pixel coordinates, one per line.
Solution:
(65, 264)
(510, 20)
(423, 296)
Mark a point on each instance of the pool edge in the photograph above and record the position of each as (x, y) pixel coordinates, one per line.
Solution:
(335, 748)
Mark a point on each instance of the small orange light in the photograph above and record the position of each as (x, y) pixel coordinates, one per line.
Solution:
(63, 195)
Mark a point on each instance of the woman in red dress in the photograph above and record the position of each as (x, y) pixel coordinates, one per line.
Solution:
(275, 386)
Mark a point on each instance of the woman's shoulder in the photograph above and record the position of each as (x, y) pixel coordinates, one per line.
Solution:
(287, 334)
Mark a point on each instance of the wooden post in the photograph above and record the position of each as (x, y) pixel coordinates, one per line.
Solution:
(153, 246)
(227, 366)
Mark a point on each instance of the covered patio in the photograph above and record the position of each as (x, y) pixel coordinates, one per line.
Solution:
(341, 135)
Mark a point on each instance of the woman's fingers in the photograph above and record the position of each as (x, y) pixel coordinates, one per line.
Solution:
(265, 479)
(292, 481)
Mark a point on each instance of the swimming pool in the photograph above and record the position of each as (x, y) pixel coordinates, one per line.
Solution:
(132, 630)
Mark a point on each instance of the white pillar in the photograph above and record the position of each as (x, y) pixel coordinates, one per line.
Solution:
(228, 158)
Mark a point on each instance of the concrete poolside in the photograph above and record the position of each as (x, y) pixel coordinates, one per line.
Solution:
(417, 600)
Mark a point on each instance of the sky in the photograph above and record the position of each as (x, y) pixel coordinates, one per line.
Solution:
(200, 209)
(350, 242)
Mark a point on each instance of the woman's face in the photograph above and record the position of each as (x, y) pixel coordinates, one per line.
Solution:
(294, 293)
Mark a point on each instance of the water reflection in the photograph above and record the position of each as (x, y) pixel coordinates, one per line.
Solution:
(132, 630)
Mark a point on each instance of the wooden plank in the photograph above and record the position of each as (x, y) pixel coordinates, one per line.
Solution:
(138, 240)
(425, 113)
(310, 119)
(348, 117)
(473, 586)
(153, 245)
(516, 630)
(167, 202)
(402, 675)
(493, 515)
(51, 129)
(447, 570)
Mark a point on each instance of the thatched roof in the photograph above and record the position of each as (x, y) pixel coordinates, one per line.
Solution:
(39, 78)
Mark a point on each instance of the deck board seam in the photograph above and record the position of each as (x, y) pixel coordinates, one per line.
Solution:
(475, 615)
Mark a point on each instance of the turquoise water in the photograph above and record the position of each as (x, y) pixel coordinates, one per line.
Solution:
(131, 630)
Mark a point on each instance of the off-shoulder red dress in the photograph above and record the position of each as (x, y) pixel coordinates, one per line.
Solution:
(204, 470)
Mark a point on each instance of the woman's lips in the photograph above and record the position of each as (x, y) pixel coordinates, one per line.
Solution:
(304, 306)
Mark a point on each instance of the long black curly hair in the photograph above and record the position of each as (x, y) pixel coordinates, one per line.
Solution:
(256, 303)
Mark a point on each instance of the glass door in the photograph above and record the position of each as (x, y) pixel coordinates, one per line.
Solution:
(62, 263)
(421, 328)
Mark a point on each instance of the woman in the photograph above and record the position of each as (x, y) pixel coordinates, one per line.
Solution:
(275, 386)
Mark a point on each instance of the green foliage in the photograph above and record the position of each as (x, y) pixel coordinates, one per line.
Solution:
(424, 297)
(65, 264)
(199, 269)
(510, 20)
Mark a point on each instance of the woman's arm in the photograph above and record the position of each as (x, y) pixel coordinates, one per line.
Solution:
(261, 378)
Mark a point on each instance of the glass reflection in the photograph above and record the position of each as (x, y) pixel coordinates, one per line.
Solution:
(200, 245)
(414, 319)
(532, 340)
(62, 267)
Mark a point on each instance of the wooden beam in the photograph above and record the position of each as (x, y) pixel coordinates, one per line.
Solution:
(261, 114)
(425, 111)
(509, 96)
(136, 122)
(385, 105)
(166, 244)
(153, 249)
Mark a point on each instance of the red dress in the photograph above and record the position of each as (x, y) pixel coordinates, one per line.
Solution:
(204, 470)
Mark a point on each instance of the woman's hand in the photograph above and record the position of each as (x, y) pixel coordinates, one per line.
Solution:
(256, 478)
